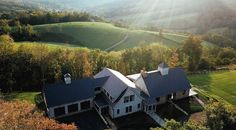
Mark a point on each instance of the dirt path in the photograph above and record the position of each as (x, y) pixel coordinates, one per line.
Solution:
(118, 43)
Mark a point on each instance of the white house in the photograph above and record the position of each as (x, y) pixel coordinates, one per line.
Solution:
(109, 92)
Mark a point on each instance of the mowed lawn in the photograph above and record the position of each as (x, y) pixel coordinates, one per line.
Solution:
(27, 96)
(221, 84)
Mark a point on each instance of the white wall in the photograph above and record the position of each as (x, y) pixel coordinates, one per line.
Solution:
(141, 85)
(51, 109)
(122, 106)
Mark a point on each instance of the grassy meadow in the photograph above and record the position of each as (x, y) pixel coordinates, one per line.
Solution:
(102, 36)
(220, 85)
(27, 96)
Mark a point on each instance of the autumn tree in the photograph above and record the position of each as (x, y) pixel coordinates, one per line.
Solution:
(174, 125)
(6, 29)
(6, 39)
(174, 60)
(193, 49)
(221, 116)
(22, 115)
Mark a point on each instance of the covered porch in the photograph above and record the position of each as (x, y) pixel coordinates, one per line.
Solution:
(101, 104)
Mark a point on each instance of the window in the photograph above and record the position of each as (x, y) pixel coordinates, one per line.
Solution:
(73, 108)
(130, 108)
(126, 109)
(85, 105)
(153, 107)
(118, 111)
(132, 98)
(139, 105)
(126, 99)
(59, 111)
(158, 99)
(150, 108)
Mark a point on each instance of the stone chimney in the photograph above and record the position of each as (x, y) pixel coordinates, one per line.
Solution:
(67, 78)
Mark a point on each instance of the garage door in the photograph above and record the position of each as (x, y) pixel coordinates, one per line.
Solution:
(59, 111)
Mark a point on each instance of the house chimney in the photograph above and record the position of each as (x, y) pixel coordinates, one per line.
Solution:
(67, 78)
(163, 68)
(144, 73)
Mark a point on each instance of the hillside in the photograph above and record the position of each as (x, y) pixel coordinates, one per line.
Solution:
(103, 36)
(182, 15)
(220, 85)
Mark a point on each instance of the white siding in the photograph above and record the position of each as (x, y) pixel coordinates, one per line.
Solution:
(122, 106)
(140, 84)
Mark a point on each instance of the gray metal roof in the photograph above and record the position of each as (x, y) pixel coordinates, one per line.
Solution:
(158, 85)
(116, 83)
(61, 93)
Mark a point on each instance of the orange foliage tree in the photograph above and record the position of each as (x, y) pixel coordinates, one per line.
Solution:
(22, 115)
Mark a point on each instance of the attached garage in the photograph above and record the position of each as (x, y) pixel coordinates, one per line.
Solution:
(85, 105)
(73, 108)
(59, 111)
(64, 99)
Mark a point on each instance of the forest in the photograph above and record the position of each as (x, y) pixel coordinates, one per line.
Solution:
(29, 67)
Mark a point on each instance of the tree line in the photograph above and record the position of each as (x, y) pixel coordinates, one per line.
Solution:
(19, 25)
(38, 17)
(29, 67)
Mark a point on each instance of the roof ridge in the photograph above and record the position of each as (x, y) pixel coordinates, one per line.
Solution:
(123, 78)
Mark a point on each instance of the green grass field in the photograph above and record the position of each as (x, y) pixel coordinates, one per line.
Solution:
(102, 36)
(221, 85)
(28, 96)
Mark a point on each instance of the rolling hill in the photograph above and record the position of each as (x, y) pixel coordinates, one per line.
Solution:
(103, 36)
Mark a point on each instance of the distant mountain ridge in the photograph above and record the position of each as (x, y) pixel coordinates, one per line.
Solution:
(185, 15)
(181, 15)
